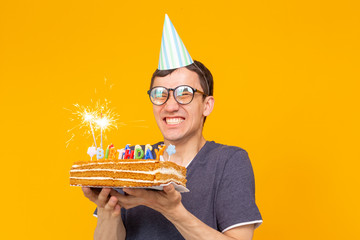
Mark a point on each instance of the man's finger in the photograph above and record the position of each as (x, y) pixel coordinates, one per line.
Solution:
(110, 205)
(135, 192)
(129, 201)
(117, 210)
(115, 193)
(169, 189)
(103, 197)
(89, 194)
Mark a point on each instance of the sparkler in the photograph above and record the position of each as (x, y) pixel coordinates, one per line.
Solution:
(90, 118)
(102, 123)
(105, 121)
(86, 115)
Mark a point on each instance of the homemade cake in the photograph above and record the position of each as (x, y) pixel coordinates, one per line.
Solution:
(126, 173)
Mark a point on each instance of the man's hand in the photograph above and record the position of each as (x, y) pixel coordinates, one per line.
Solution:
(109, 225)
(104, 202)
(162, 201)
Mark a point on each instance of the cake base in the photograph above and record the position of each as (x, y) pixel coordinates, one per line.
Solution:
(177, 187)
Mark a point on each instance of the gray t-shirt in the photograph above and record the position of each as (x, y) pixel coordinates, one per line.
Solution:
(222, 195)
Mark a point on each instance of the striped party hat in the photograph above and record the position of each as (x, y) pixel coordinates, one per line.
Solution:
(173, 53)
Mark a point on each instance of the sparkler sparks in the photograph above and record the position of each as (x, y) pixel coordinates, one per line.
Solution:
(101, 116)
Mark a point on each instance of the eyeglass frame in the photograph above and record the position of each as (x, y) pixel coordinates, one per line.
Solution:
(173, 90)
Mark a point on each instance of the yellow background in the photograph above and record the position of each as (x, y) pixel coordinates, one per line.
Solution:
(286, 89)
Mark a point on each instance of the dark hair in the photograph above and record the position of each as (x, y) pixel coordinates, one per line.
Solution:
(205, 76)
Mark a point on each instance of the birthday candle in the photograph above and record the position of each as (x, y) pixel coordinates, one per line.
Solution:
(160, 151)
(112, 154)
(170, 150)
(129, 154)
(148, 154)
(121, 153)
(148, 146)
(107, 152)
(91, 151)
(139, 153)
(100, 153)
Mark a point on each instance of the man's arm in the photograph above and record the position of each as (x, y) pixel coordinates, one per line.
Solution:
(191, 227)
(168, 203)
(109, 225)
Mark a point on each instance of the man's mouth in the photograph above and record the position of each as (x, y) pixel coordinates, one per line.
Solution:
(173, 120)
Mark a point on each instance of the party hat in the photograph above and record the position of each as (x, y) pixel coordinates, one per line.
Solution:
(173, 53)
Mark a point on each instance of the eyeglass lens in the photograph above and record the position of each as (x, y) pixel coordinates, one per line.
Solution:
(183, 95)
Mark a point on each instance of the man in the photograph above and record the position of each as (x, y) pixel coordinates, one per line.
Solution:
(221, 201)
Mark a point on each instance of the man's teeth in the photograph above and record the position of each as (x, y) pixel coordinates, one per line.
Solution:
(174, 120)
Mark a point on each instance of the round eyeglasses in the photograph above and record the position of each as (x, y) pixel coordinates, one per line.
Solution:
(183, 94)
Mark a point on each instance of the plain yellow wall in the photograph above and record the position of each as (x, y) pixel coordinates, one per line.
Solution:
(286, 89)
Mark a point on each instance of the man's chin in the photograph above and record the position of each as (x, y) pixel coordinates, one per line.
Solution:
(173, 137)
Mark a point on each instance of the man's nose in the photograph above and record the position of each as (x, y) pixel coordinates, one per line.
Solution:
(171, 105)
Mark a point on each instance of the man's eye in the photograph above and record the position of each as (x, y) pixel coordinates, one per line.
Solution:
(160, 94)
(185, 93)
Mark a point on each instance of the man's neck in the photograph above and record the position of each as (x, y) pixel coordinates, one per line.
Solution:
(185, 150)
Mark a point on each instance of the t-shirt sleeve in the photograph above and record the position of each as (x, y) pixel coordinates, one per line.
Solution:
(235, 199)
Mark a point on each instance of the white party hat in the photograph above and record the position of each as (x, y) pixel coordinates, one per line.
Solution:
(173, 53)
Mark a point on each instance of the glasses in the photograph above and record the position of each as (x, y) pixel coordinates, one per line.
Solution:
(183, 94)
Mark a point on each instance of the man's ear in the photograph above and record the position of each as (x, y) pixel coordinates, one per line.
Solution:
(208, 105)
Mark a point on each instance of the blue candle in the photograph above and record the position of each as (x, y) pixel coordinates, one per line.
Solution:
(148, 154)
(100, 153)
(170, 150)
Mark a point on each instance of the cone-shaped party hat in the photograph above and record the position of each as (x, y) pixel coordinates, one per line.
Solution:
(173, 53)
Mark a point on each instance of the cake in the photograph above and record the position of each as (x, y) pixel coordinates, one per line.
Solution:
(126, 173)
